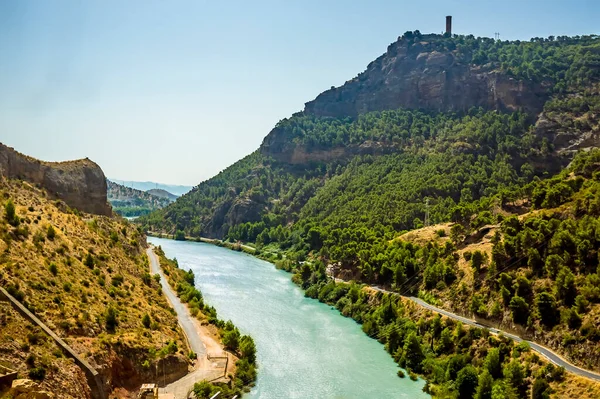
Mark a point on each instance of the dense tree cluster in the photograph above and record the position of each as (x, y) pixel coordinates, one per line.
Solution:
(456, 360)
(567, 62)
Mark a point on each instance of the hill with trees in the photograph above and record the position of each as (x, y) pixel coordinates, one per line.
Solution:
(485, 138)
(128, 201)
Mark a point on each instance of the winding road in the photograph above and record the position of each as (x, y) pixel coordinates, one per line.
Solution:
(205, 369)
(542, 350)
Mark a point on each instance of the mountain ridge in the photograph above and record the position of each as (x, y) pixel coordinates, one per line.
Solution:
(148, 185)
(428, 72)
(545, 77)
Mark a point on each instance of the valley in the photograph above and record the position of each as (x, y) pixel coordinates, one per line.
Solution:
(429, 228)
(506, 171)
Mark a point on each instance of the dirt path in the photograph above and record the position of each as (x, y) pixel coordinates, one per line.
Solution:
(201, 339)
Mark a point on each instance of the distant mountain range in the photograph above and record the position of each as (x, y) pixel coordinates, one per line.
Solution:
(149, 185)
(158, 192)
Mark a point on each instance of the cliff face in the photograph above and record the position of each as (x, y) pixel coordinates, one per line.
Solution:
(414, 74)
(81, 183)
(278, 146)
(422, 74)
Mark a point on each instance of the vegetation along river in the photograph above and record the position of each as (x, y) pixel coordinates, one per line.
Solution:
(305, 348)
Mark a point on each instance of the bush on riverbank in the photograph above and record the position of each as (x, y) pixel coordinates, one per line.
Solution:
(206, 390)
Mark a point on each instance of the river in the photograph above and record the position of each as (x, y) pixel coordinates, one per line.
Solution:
(305, 349)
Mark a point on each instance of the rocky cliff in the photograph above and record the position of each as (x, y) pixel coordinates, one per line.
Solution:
(80, 184)
(278, 146)
(422, 73)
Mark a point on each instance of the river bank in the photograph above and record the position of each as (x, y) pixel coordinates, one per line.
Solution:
(225, 360)
(304, 348)
(201, 340)
(220, 243)
(337, 295)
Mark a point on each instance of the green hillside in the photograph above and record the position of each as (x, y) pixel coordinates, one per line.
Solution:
(515, 241)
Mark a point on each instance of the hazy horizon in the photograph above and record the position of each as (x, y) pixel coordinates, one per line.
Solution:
(176, 92)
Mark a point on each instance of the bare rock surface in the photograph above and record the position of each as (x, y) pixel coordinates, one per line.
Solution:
(80, 184)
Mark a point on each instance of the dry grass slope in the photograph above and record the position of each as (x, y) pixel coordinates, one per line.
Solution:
(87, 278)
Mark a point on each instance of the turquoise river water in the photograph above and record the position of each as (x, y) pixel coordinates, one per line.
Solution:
(305, 349)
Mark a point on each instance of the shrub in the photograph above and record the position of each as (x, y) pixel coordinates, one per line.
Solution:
(520, 309)
(34, 338)
(51, 233)
(116, 280)
(146, 320)
(231, 339)
(114, 237)
(37, 373)
(10, 214)
(30, 360)
(15, 292)
(541, 389)
(89, 261)
(203, 389)
(170, 349)
(477, 259)
(248, 349)
(147, 279)
(110, 319)
(53, 269)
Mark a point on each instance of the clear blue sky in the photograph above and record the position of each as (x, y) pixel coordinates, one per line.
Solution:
(175, 91)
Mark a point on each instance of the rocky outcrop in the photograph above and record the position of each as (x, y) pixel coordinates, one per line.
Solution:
(278, 146)
(423, 74)
(569, 132)
(232, 211)
(80, 184)
(27, 389)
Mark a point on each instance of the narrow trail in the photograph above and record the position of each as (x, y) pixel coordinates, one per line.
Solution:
(542, 350)
(197, 339)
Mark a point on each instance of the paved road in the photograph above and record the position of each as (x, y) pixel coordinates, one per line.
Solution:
(542, 350)
(183, 315)
(205, 369)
